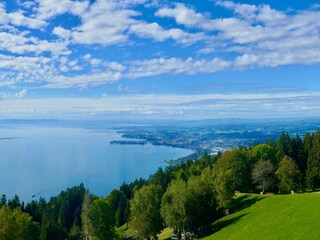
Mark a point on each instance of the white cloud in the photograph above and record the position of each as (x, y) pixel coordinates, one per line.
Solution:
(182, 14)
(18, 19)
(104, 23)
(95, 62)
(51, 8)
(258, 34)
(156, 32)
(87, 56)
(20, 44)
(109, 22)
(82, 81)
(168, 106)
(13, 95)
(157, 66)
(61, 32)
(116, 66)
(253, 36)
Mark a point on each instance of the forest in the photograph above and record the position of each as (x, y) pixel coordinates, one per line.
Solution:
(187, 197)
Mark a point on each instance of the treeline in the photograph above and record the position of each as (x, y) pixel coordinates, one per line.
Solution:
(187, 196)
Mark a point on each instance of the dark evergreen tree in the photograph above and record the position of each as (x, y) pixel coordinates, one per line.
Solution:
(118, 202)
(3, 200)
(307, 143)
(313, 168)
(299, 154)
(284, 146)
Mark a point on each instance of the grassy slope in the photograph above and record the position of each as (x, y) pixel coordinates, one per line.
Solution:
(272, 217)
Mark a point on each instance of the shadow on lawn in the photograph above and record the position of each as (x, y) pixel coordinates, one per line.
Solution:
(239, 204)
(217, 226)
(244, 202)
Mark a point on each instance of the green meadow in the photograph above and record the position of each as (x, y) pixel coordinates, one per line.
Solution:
(271, 217)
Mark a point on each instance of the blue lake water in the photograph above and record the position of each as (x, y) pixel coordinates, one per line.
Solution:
(43, 161)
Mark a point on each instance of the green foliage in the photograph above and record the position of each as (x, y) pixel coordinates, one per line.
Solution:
(160, 178)
(201, 205)
(263, 152)
(118, 202)
(101, 219)
(53, 231)
(145, 219)
(288, 174)
(60, 214)
(86, 224)
(313, 170)
(307, 142)
(173, 205)
(263, 175)
(16, 225)
(284, 146)
(3, 200)
(299, 154)
(190, 206)
(231, 173)
(223, 186)
(14, 202)
(36, 209)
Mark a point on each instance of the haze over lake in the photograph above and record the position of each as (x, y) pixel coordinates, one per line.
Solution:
(42, 161)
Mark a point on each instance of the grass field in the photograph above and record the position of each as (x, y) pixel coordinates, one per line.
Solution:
(271, 217)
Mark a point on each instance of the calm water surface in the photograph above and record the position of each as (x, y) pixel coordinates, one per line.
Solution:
(43, 161)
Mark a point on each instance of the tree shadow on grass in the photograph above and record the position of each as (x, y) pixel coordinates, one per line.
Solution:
(217, 226)
(244, 202)
(240, 203)
(220, 224)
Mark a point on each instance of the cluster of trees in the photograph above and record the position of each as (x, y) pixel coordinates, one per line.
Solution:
(187, 196)
(199, 192)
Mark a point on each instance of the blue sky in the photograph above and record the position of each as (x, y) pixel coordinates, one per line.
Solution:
(154, 59)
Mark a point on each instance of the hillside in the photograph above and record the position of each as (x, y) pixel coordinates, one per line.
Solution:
(271, 217)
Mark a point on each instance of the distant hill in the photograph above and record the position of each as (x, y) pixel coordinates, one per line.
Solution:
(271, 217)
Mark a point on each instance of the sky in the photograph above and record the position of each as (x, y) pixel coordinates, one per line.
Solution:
(158, 59)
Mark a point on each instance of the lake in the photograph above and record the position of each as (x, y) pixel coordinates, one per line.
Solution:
(42, 161)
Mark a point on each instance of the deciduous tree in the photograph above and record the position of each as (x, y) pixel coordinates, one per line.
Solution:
(288, 174)
(263, 175)
(146, 220)
(16, 225)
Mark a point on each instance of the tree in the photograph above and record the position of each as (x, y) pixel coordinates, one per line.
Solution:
(85, 215)
(231, 173)
(54, 231)
(284, 146)
(101, 220)
(263, 152)
(16, 225)
(299, 154)
(3, 200)
(288, 174)
(307, 142)
(61, 214)
(223, 186)
(201, 204)
(173, 206)
(160, 178)
(14, 202)
(145, 207)
(262, 174)
(313, 168)
(118, 203)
